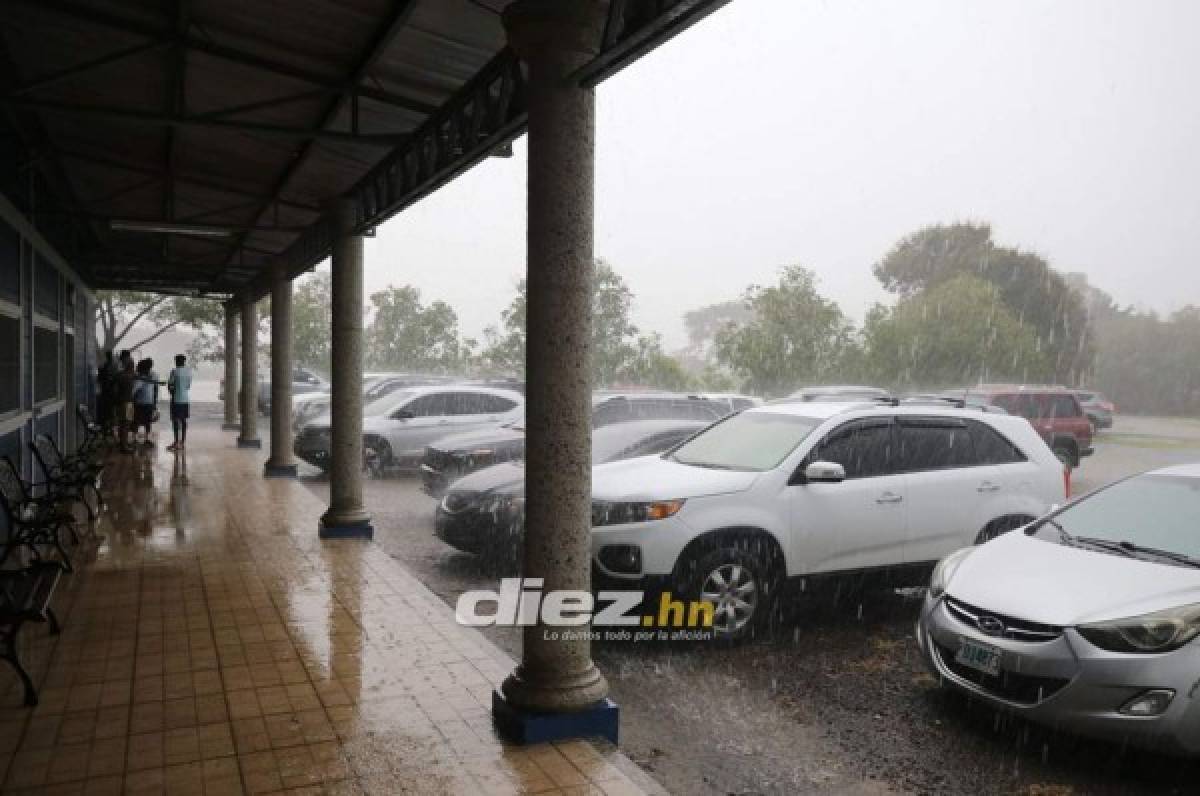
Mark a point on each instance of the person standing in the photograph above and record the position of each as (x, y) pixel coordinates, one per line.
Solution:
(145, 399)
(179, 384)
(106, 379)
(124, 399)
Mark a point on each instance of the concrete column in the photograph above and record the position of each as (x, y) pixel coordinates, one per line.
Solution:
(281, 464)
(556, 677)
(249, 436)
(231, 368)
(346, 516)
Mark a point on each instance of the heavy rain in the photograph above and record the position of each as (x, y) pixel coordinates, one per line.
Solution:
(830, 692)
(888, 364)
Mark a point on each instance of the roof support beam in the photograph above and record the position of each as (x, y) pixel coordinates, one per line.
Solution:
(160, 222)
(195, 43)
(391, 25)
(87, 66)
(199, 182)
(143, 118)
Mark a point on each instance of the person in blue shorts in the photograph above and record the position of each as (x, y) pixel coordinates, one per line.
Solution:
(179, 384)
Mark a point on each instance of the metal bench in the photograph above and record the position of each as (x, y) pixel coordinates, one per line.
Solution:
(25, 596)
(34, 523)
(70, 478)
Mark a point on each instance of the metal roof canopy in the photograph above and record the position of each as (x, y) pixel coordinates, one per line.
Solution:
(211, 116)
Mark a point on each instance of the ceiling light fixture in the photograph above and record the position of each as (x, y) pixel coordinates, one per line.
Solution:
(170, 228)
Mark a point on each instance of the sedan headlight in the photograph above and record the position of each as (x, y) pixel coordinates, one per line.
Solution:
(945, 570)
(1161, 631)
(622, 513)
(503, 504)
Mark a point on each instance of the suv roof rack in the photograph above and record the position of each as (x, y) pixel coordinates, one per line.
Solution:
(957, 403)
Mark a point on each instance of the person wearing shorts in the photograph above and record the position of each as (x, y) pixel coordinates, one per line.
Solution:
(145, 399)
(179, 384)
(123, 407)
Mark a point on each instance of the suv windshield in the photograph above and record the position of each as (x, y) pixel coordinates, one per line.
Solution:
(1161, 512)
(754, 441)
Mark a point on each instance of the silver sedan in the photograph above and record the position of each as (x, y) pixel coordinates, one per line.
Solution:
(1085, 620)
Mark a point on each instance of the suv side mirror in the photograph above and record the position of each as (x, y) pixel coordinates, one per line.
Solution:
(402, 414)
(824, 473)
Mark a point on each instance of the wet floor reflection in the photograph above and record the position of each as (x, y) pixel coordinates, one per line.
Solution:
(216, 643)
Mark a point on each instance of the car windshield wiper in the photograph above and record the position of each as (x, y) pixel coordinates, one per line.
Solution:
(708, 465)
(1179, 558)
(1108, 545)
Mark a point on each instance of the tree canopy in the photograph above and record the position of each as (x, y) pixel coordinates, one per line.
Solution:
(957, 332)
(620, 353)
(1036, 294)
(404, 334)
(126, 319)
(794, 336)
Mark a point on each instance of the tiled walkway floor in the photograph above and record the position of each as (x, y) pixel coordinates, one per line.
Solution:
(215, 645)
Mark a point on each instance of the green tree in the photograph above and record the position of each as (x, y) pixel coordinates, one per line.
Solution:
(651, 366)
(615, 339)
(957, 332)
(504, 347)
(405, 335)
(311, 302)
(794, 336)
(1035, 293)
(126, 319)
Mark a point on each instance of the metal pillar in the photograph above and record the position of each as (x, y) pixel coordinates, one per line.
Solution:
(281, 464)
(557, 691)
(346, 516)
(231, 368)
(249, 436)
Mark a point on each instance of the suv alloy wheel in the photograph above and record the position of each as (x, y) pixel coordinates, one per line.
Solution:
(739, 586)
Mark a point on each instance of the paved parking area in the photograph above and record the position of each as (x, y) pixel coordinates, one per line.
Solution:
(837, 700)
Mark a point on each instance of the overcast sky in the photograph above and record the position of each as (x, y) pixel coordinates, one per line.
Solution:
(822, 131)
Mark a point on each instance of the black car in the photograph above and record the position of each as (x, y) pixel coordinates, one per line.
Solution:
(458, 455)
(483, 513)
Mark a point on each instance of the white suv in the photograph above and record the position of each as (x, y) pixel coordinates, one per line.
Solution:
(800, 490)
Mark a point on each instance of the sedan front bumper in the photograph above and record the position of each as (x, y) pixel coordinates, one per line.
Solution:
(1054, 677)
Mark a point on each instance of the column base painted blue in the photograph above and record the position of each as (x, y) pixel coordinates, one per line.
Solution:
(249, 443)
(526, 727)
(362, 530)
(231, 426)
(279, 470)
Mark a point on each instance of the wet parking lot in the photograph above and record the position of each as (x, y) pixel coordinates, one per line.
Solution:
(836, 699)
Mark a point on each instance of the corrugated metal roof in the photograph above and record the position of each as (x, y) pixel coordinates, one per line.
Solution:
(250, 116)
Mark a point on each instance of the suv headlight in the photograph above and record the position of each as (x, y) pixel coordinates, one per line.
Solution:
(622, 513)
(1161, 631)
(945, 570)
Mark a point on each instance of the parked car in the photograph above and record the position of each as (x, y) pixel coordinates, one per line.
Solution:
(839, 393)
(304, 381)
(815, 491)
(482, 513)
(1087, 619)
(1054, 412)
(375, 386)
(735, 401)
(450, 458)
(398, 426)
(1099, 409)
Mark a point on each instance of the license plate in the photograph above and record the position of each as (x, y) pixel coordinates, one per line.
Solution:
(981, 657)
